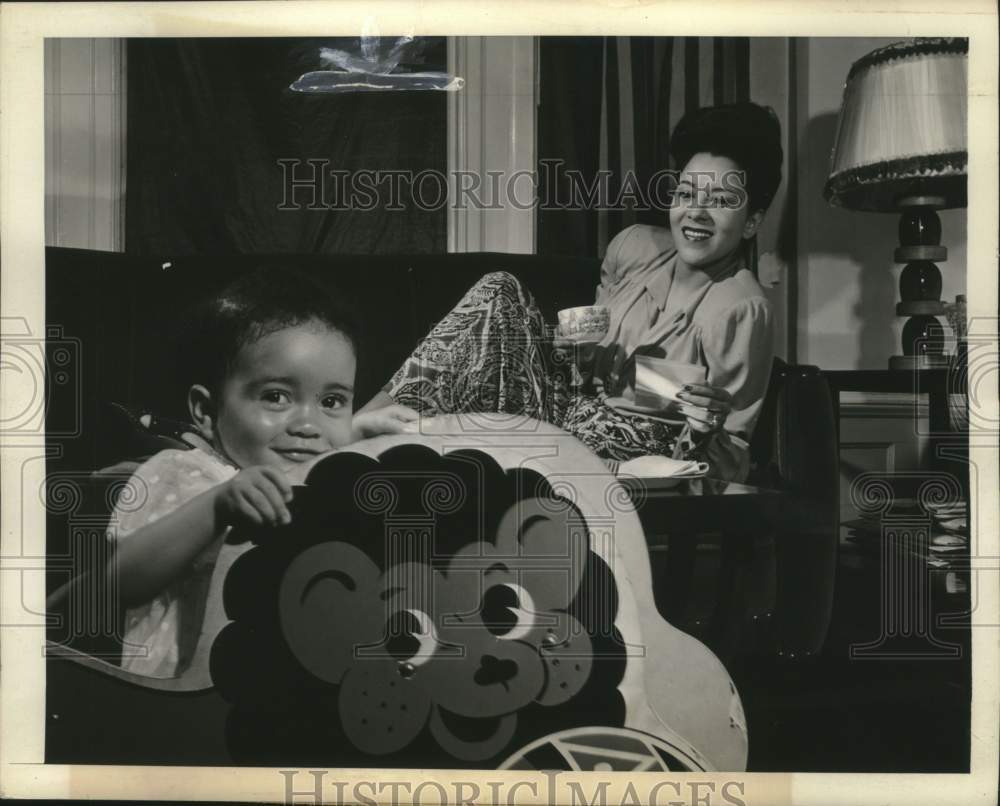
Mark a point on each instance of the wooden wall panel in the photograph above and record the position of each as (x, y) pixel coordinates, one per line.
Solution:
(880, 433)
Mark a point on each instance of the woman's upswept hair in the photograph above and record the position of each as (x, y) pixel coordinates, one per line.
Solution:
(251, 307)
(746, 133)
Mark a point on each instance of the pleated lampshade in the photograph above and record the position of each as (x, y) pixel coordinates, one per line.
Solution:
(903, 127)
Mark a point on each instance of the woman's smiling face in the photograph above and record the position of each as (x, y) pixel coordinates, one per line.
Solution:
(709, 217)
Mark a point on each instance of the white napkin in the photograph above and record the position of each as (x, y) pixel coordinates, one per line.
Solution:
(663, 467)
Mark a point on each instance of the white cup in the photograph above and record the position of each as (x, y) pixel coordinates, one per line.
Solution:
(584, 323)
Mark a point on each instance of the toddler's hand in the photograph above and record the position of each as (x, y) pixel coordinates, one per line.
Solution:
(256, 495)
(394, 419)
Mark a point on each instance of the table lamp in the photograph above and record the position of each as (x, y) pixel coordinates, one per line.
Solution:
(901, 147)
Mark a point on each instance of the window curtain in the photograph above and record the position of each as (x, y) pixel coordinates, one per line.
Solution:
(608, 104)
(210, 119)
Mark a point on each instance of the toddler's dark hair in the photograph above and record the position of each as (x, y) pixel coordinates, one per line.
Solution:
(254, 306)
(746, 133)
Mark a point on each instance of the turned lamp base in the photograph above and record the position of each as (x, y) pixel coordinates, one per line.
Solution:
(920, 284)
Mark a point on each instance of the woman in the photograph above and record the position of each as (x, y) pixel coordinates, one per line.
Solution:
(684, 293)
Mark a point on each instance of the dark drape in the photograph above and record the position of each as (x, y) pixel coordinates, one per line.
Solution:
(608, 104)
(209, 121)
(571, 73)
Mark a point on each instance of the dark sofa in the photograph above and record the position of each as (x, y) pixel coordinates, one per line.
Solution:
(117, 313)
(123, 310)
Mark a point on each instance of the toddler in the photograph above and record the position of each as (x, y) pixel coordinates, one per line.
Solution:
(273, 367)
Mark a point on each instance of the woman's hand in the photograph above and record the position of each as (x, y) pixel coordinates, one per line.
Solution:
(256, 495)
(581, 354)
(609, 364)
(600, 363)
(705, 407)
(394, 419)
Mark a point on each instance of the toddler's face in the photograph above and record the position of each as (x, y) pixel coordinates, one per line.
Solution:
(287, 399)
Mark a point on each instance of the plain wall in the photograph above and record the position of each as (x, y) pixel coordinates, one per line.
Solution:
(847, 284)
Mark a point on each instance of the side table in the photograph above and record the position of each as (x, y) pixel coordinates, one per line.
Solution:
(948, 446)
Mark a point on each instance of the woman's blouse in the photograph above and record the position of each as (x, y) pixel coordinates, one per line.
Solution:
(721, 321)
